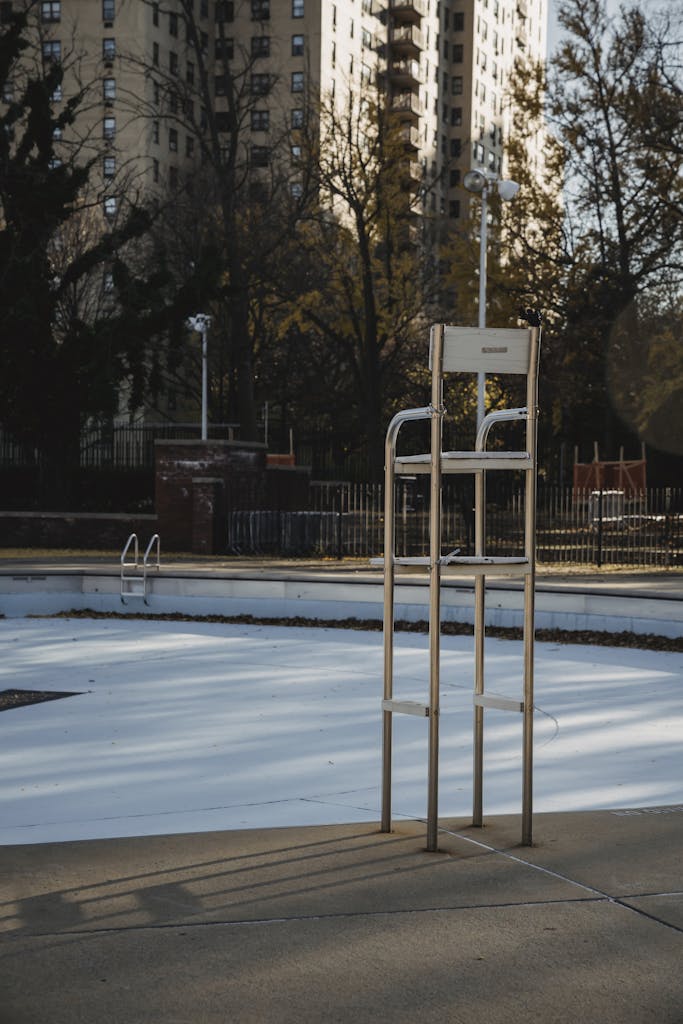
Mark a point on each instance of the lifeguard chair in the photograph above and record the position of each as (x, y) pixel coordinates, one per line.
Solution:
(472, 350)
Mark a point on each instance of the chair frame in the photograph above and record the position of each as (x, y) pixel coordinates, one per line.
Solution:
(487, 350)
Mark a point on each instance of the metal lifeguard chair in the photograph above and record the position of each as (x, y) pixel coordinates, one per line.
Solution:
(484, 350)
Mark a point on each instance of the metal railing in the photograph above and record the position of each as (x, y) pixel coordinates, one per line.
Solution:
(573, 527)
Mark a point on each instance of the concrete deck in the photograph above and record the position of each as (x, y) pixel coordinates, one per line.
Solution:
(343, 923)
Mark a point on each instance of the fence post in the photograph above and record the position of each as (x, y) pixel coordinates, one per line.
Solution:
(599, 551)
(339, 522)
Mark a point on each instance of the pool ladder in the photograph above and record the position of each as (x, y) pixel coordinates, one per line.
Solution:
(134, 575)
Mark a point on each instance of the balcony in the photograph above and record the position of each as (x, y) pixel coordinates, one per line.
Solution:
(412, 175)
(408, 105)
(408, 11)
(405, 74)
(410, 137)
(406, 41)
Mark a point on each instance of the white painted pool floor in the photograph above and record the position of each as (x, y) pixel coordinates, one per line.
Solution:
(191, 727)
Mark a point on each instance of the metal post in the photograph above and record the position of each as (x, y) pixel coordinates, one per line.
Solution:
(529, 590)
(481, 377)
(479, 646)
(388, 623)
(388, 628)
(435, 585)
(205, 382)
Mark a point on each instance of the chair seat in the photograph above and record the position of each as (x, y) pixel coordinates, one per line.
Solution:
(464, 462)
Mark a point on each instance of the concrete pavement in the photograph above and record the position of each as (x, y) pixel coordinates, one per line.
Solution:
(344, 923)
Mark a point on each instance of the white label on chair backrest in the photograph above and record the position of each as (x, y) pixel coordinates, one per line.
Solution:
(487, 350)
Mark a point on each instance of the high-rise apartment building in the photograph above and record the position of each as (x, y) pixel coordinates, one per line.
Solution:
(443, 66)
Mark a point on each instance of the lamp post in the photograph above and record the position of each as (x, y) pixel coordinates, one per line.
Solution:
(481, 184)
(201, 323)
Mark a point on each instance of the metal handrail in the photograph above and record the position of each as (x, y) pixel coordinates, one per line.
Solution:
(155, 540)
(124, 563)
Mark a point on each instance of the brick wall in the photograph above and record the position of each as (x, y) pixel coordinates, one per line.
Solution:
(236, 467)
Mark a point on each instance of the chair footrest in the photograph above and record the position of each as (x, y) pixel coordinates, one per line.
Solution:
(492, 700)
(406, 707)
(482, 565)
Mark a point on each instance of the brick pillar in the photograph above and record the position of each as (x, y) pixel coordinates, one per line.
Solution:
(208, 515)
(240, 466)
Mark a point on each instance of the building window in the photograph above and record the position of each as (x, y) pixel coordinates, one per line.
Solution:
(173, 24)
(366, 39)
(155, 54)
(204, 41)
(109, 167)
(108, 10)
(297, 46)
(333, 55)
(173, 63)
(455, 177)
(189, 146)
(5, 12)
(458, 53)
(155, 171)
(456, 85)
(108, 89)
(108, 49)
(297, 8)
(203, 8)
(296, 189)
(155, 14)
(225, 49)
(173, 177)
(51, 11)
(296, 153)
(8, 92)
(259, 156)
(454, 208)
(458, 21)
(456, 148)
(260, 84)
(190, 73)
(156, 89)
(110, 205)
(107, 282)
(173, 140)
(297, 81)
(220, 85)
(155, 132)
(297, 118)
(260, 120)
(260, 46)
(109, 128)
(52, 51)
(225, 10)
(456, 116)
(260, 10)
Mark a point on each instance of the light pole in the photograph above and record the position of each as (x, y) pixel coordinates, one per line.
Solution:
(201, 323)
(480, 183)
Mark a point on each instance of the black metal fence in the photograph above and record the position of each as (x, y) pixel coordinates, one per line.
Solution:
(575, 527)
(119, 446)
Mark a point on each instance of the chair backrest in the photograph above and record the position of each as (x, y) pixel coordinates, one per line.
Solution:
(485, 350)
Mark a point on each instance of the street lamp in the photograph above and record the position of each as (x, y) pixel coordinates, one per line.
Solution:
(201, 323)
(481, 184)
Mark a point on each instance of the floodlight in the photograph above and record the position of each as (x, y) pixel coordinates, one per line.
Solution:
(507, 190)
(474, 181)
